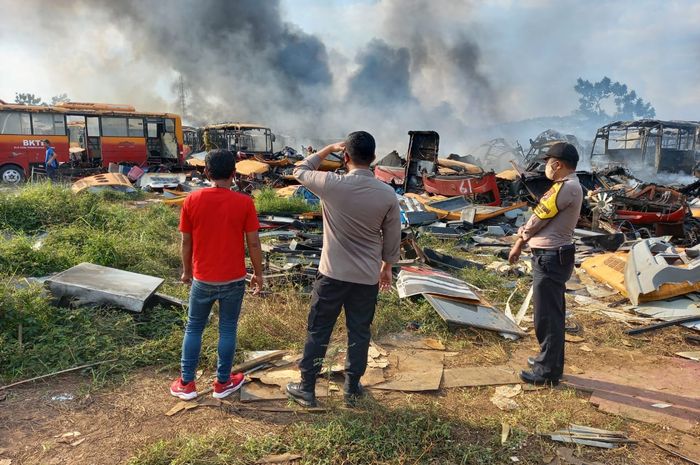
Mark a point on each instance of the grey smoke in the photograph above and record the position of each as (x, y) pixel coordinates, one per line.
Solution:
(241, 52)
(240, 60)
(383, 77)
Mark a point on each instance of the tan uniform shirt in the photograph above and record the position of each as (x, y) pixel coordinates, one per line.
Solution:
(552, 224)
(361, 222)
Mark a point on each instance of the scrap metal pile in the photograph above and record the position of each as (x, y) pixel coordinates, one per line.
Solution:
(635, 237)
(637, 263)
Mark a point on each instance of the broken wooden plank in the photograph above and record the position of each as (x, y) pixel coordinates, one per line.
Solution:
(414, 370)
(279, 458)
(256, 392)
(479, 376)
(408, 340)
(690, 355)
(567, 455)
(68, 370)
(247, 365)
(675, 453)
(180, 406)
(632, 390)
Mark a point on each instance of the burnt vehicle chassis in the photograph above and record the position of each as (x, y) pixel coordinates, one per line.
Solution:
(672, 146)
(614, 199)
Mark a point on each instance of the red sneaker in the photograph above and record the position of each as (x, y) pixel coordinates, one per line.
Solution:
(183, 391)
(234, 383)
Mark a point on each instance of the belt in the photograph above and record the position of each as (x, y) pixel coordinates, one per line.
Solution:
(538, 252)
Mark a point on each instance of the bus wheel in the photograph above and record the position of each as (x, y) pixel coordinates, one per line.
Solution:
(11, 174)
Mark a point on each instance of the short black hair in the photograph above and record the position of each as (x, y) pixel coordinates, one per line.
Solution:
(220, 163)
(570, 164)
(360, 147)
(47, 141)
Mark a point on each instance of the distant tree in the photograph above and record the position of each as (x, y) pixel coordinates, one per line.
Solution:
(628, 106)
(60, 98)
(27, 99)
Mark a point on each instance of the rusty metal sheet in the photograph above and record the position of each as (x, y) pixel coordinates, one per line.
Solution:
(463, 313)
(632, 390)
(106, 180)
(251, 167)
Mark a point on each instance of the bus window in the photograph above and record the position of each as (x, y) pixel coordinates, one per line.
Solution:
(135, 127)
(114, 127)
(47, 124)
(14, 122)
(76, 130)
(169, 125)
(152, 130)
(93, 126)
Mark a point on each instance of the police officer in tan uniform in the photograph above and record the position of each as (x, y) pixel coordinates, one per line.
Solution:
(550, 235)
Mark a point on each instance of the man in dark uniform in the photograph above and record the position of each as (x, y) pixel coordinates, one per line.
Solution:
(361, 240)
(550, 232)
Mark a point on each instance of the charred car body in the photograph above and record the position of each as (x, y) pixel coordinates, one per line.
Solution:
(423, 170)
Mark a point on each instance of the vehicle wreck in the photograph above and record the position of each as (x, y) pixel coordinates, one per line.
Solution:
(423, 170)
(672, 146)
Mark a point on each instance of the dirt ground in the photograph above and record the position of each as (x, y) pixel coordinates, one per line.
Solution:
(118, 420)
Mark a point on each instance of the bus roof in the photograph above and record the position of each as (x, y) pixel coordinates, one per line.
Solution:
(647, 123)
(238, 126)
(83, 108)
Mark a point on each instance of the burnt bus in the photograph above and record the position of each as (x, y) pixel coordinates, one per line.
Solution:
(672, 146)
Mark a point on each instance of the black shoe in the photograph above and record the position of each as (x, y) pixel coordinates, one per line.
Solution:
(537, 380)
(531, 361)
(354, 395)
(296, 392)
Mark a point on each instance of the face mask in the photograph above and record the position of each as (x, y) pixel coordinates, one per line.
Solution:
(549, 172)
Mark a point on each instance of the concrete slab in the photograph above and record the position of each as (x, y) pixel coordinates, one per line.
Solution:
(100, 285)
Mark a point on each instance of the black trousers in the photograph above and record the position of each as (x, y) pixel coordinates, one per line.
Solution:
(550, 274)
(328, 297)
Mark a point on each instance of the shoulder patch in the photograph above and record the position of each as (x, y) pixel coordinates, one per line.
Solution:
(547, 208)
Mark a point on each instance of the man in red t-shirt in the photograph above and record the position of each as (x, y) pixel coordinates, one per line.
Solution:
(214, 222)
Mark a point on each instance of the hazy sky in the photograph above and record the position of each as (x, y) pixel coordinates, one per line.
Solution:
(417, 61)
(533, 50)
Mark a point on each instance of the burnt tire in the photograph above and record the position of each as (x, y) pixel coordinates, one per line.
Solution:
(12, 174)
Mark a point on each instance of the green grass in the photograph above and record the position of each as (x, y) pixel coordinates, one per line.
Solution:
(268, 203)
(37, 338)
(448, 246)
(50, 229)
(109, 230)
(378, 435)
(394, 314)
(96, 228)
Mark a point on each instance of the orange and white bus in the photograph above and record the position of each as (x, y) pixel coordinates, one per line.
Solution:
(85, 134)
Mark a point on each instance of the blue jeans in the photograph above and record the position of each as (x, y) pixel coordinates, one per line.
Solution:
(51, 172)
(202, 297)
